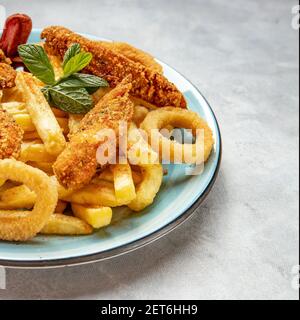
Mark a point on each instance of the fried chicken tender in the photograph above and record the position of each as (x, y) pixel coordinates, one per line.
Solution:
(77, 164)
(7, 76)
(11, 135)
(147, 85)
(134, 54)
(7, 73)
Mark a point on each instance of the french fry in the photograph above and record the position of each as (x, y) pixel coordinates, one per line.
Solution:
(60, 224)
(18, 197)
(57, 65)
(33, 151)
(24, 121)
(41, 114)
(97, 217)
(63, 193)
(44, 166)
(139, 151)
(74, 121)
(14, 107)
(96, 194)
(123, 182)
(64, 124)
(61, 206)
(33, 135)
(139, 114)
(107, 175)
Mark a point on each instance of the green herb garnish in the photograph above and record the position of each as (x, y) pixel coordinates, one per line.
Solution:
(71, 52)
(72, 91)
(37, 62)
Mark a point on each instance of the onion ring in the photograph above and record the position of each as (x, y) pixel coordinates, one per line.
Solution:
(21, 225)
(148, 188)
(178, 118)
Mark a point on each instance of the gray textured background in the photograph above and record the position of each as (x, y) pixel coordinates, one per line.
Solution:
(243, 242)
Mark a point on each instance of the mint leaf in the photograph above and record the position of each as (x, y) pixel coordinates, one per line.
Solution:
(71, 52)
(77, 63)
(37, 62)
(45, 91)
(73, 100)
(80, 80)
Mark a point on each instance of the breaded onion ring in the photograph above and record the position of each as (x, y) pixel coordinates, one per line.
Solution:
(21, 226)
(146, 191)
(178, 118)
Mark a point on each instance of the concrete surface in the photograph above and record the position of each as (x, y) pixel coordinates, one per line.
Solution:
(243, 242)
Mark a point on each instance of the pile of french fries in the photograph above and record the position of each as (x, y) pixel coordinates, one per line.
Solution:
(46, 132)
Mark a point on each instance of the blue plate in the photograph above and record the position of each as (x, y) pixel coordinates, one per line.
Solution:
(178, 198)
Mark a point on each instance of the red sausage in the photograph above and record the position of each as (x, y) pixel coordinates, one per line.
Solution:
(16, 31)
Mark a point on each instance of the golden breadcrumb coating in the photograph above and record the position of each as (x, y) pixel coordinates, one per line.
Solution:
(148, 85)
(3, 58)
(7, 76)
(77, 164)
(11, 135)
(134, 54)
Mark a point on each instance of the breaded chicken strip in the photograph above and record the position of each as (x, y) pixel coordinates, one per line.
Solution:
(11, 135)
(134, 54)
(7, 73)
(147, 85)
(77, 164)
(7, 76)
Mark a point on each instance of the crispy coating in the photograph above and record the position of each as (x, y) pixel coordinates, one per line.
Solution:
(7, 76)
(11, 135)
(24, 225)
(77, 164)
(112, 66)
(3, 58)
(134, 54)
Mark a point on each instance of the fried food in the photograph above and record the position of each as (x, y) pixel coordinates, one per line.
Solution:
(7, 73)
(35, 151)
(24, 121)
(112, 66)
(74, 122)
(44, 166)
(123, 182)
(61, 206)
(61, 224)
(7, 76)
(179, 118)
(97, 217)
(3, 58)
(20, 225)
(84, 174)
(107, 175)
(11, 135)
(77, 164)
(18, 197)
(148, 188)
(41, 114)
(139, 114)
(134, 54)
(139, 151)
(14, 108)
(101, 193)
